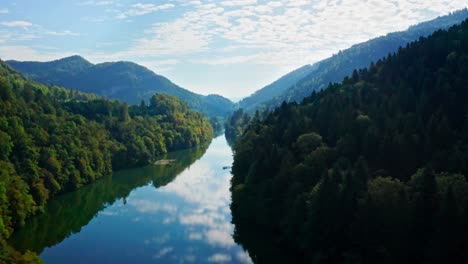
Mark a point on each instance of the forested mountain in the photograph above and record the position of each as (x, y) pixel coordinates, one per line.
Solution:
(302, 82)
(373, 170)
(126, 81)
(54, 140)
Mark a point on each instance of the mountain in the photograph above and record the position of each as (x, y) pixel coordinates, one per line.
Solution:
(372, 170)
(302, 82)
(54, 140)
(276, 88)
(125, 81)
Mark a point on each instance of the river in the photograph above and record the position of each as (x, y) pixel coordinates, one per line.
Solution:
(156, 214)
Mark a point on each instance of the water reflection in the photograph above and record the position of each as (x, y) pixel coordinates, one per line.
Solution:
(124, 219)
(263, 246)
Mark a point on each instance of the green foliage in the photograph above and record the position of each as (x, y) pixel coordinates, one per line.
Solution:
(368, 171)
(62, 219)
(125, 81)
(9, 255)
(53, 141)
(216, 124)
(238, 122)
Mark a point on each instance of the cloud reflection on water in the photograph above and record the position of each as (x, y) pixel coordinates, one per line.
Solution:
(197, 199)
(205, 187)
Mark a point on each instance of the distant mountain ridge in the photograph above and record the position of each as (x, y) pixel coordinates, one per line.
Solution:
(303, 81)
(126, 81)
(276, 88)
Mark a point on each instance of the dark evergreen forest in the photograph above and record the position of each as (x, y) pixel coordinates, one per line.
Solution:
(372, 170)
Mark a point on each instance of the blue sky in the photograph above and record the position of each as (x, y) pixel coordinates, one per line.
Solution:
(229, 47)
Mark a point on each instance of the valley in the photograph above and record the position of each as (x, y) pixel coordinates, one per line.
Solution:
(358, 156)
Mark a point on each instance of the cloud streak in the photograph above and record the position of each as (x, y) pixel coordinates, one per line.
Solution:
(95, 3)
(17, 23)
(140, 9)
(280, 33)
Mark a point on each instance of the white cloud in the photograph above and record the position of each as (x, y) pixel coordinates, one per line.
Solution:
(219, 258)
(220, 237)
(170, 38)
(285, 33)
(275, 4)
(4, 11)
(140, 9)
(238, 2)
(147, 206)
(95, 3)
(192, 3)
(298, 2)
(62, 33)
(243, 257)
(103, 3)
(26, 53)
(17, 23)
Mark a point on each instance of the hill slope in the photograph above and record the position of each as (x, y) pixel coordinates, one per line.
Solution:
(373, 170)
(334, 69)
(54, 140)
(276, 88)
(126, 81)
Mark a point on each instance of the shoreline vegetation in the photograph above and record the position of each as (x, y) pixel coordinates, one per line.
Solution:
(372, 170)
(55, 140)
(61, 218)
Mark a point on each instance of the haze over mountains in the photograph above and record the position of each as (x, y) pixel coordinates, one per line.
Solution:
(126, 81)
(302, 82)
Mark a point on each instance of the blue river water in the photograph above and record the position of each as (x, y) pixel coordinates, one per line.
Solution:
(177, 213)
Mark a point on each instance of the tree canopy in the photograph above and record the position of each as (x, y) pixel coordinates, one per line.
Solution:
(54, 140)
(368, 171)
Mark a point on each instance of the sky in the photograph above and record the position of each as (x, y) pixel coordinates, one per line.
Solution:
(227, 47)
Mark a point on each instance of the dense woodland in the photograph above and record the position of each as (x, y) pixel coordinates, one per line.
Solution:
(54, 140)
(373, 170)
(61, 219)
(122, 80)
(236, 124)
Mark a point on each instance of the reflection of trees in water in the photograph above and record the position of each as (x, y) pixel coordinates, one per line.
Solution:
(262, 245)
(68, 213)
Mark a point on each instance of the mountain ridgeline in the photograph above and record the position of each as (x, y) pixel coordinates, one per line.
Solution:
(373, 170)
(302, 82)
(53, 140)
(275, 89)
(125, 81)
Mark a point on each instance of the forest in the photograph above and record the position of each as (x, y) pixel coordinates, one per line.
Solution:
(372, 170)
(236, 124)
(61, 219)
(122, 80)
(54, 140)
